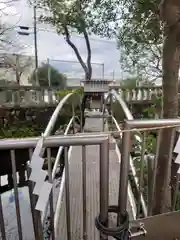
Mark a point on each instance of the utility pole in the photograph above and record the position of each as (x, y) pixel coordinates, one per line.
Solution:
(49, 73)
(35, 45)
(102, 70)
(17, 69)
(24, 31)
(138, 77)
(113, 74)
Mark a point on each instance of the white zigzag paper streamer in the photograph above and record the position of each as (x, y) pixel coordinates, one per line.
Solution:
(42, 189)
(177, 150)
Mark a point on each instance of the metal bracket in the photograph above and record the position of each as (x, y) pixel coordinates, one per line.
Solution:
(137, 230)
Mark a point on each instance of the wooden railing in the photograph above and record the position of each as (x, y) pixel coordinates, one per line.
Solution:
(27, 96)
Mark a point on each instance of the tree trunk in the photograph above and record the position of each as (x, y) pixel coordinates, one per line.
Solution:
(17, 67)
(17, 77)
(171, 55)
(86, 67)
(89, 67)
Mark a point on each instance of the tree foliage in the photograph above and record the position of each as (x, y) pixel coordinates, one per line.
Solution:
(57, 79)
(129, 82)
(140, 38)
(151, 44)
(133, 82)
(81, 17)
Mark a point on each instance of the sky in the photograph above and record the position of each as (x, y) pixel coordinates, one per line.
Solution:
(105, 56)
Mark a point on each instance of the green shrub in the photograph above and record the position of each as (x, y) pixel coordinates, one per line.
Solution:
(19, 131)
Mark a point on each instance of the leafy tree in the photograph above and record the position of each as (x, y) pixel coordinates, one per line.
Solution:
(81, 17)
(170, 15)
(140, 38)
(57, 79)
(133, 82)
(142, 34)
(129, 82)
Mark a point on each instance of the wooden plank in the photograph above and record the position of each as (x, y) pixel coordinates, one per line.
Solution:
(162, 227)
(93, 125)
(75, 168)
(92, 181)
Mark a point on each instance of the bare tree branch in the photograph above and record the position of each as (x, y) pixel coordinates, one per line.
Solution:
(14, 63)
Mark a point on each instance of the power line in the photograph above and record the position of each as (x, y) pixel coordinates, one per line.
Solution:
(77, 36)
(73, 61)
(54, 31)
(74, 35)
